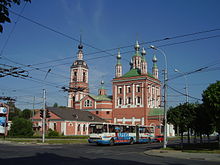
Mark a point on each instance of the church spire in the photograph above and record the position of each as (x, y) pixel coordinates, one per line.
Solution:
(136, 59)
(102, 90)
(143, 62)
(118, 67)
(155, 68)
(80, 47)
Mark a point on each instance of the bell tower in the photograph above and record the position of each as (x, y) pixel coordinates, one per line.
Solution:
(79, 85)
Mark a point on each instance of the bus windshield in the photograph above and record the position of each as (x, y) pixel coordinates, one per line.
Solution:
(97, 128)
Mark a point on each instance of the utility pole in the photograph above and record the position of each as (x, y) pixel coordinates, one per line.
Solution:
(165, 95)
(33, 108)
(165, 109)
(44, 116)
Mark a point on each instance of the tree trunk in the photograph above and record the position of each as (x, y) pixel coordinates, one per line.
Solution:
(200, 134)
(178, 130)
(188, 135)
(195, 140)
(218, 139)
(181, 145)
(208, 138)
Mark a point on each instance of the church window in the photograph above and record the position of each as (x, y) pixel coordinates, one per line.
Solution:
(138, 88)
(129, 100)
(87, 103)
(75, 76)
(120, 101)
(78, 128)
(119, 90)
(84, 76)
(84, 128)
(129, 89)
(138, 100)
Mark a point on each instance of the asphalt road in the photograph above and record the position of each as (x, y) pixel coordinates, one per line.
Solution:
(86, 154)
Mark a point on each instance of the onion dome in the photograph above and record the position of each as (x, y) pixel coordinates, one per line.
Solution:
(119, 55)
(154, 59)
(80, 46)
(137, 46)
(143, 52)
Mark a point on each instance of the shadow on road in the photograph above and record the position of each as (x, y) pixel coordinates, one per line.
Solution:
(48, 158)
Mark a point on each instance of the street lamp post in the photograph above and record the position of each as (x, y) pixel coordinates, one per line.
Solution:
(165, 95)
(186, 84)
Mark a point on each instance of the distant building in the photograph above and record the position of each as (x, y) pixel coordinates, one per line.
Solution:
(67, 121)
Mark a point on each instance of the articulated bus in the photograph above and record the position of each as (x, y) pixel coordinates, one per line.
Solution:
(111, 134)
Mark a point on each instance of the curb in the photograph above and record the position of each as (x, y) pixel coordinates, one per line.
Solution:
(184, 155)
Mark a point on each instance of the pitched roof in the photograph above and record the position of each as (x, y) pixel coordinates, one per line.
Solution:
(75, 115)
(101, 97)
(134, 73)
(156, 112)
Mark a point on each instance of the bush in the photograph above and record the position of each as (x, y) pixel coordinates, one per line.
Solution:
(52, 133)
(21, 128)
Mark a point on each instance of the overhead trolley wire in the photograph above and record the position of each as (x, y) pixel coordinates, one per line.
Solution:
(183, 93)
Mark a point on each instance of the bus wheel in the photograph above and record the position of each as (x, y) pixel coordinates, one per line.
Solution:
(131, 141)
(112, 142)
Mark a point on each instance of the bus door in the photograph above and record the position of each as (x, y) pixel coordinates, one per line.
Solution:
(137, 133)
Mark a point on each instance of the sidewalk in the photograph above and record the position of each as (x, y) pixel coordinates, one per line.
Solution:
(184, 155)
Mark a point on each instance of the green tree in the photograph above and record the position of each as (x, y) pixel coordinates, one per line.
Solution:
(55, 105)
(203, 123)
(211, 100)
(176, 116)
(26, 114)
(21, 127)
(4, 11)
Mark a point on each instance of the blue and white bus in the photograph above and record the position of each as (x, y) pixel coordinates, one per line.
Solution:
(111, 134)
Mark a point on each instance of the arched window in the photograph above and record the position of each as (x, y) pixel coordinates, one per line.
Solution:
(84, 128)
(138, 88)
(129, 100)
(119, 90)
(120, 101)
(78, 128)
(84, 76)
(87, 103)
(138, 100)
(75, 76)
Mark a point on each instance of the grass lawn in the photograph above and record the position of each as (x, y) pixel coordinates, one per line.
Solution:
(48, 141)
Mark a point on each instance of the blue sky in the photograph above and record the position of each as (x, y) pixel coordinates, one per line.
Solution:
(107, 24)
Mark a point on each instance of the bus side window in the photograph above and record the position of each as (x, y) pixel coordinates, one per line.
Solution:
(111, 129)
(105, 128)
(132, 129)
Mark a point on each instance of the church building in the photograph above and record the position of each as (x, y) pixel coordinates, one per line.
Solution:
(136, 95)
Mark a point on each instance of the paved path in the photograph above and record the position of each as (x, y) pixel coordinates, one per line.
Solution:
(184, 155)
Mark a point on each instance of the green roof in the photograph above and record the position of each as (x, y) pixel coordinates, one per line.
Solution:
(156, 112)
(132, 73)
(100, 97)
(150, 75)
(135, 72)
(137, 54)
